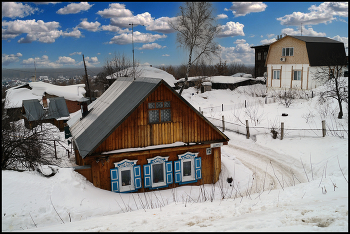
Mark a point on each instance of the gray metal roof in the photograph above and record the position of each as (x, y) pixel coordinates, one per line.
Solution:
(35, 111)
(109, 111)
(315, 39)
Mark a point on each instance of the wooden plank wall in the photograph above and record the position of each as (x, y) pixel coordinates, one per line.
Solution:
(186, 126)
(101, 170)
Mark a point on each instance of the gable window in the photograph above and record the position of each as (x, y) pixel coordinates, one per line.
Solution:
(126, 176)
(276, 74)
(297, 75)
(158, 172)
(188, 168)
(288, 51)
(159, 112)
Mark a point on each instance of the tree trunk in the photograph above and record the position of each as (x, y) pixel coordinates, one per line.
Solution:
(187, 72)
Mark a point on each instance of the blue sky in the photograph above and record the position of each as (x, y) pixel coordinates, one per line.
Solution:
(57, 34)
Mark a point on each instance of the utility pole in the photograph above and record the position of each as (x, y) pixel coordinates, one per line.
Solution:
(87, 80)
(132, 39)
(301, 29)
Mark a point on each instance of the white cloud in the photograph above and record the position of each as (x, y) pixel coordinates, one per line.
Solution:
(240, 41)
(74, 53)
(267, 41)
(270, 35)
(115, 10)
(241, 53)
(140, 19)
(244, 8)
(12, 58)
(126, 38)
(165, 55)
(151, 46)
(90, 61)
(112, 28)
(231, 29)
(161, 25)
(324, 13)
(90, 26)
(40, 62)
(14, 10)
(222, 16)
(306, 32)
(46, 32)
(65, 60)
(74, 8)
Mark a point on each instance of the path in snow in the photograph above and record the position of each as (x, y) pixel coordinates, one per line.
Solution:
(271, 170)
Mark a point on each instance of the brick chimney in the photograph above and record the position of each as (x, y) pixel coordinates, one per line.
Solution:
(44, 101)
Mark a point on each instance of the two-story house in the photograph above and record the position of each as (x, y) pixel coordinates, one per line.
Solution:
(292, 61)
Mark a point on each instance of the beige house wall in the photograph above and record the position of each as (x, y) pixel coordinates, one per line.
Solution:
(300, 53)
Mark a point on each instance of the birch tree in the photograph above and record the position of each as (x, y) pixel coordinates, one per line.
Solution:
(196, 30)
(332, 77)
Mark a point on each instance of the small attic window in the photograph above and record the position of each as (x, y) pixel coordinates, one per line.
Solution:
(159, 112)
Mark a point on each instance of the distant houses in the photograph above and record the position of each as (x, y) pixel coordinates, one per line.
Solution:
(17, 101)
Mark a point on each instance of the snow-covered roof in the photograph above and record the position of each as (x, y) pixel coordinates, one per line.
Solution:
(228, 79)
(148, 72)
(16, 95)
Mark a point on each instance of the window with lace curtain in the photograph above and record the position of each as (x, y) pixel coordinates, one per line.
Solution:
(159, 112)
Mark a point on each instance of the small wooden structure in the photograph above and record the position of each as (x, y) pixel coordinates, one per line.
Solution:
(142, 135)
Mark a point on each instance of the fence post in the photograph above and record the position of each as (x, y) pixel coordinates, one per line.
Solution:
(54, 144)
(222, 107)
(266, 100)
(282, 130)
(245, 103)
(323, 128)
(247, 127)
(223, 124)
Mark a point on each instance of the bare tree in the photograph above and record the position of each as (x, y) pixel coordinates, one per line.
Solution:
(332, 77)
(196, 32)
(118, 66)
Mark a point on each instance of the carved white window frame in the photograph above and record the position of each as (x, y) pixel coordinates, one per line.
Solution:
(123, 166)
(154, 161)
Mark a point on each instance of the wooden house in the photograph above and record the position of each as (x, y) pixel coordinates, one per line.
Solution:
(142, 135)
(53, 110)
(292, 60)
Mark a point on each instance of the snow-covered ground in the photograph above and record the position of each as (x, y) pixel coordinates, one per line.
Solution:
(299, 183)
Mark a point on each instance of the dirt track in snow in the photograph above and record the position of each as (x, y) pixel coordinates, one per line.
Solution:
(271, 170)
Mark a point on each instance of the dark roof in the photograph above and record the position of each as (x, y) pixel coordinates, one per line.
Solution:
(111, 109)
(35, 111)
(315, 39)
(264, 45)
(323, 51)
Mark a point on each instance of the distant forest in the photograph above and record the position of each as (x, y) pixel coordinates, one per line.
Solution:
(22, 73)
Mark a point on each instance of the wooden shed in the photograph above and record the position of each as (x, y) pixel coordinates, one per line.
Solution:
(142, 135)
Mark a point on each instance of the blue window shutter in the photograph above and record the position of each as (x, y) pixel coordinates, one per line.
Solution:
(198, 168)
(114, 180)
(137, 176)
(169, 172)
(147, 175)
(177, 170)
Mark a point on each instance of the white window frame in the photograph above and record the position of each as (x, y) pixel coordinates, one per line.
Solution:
(279, 74)
(298, 72)
(123, 166)
(192, 176)
(284, 51)
(158, 160)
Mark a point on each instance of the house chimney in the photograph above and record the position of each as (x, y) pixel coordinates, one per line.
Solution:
(44, 101)
(84, 109)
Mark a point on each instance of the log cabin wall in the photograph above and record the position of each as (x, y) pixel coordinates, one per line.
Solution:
(185, 126)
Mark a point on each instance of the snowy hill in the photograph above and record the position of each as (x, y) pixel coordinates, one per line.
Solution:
(147, 71)
(299, 183)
